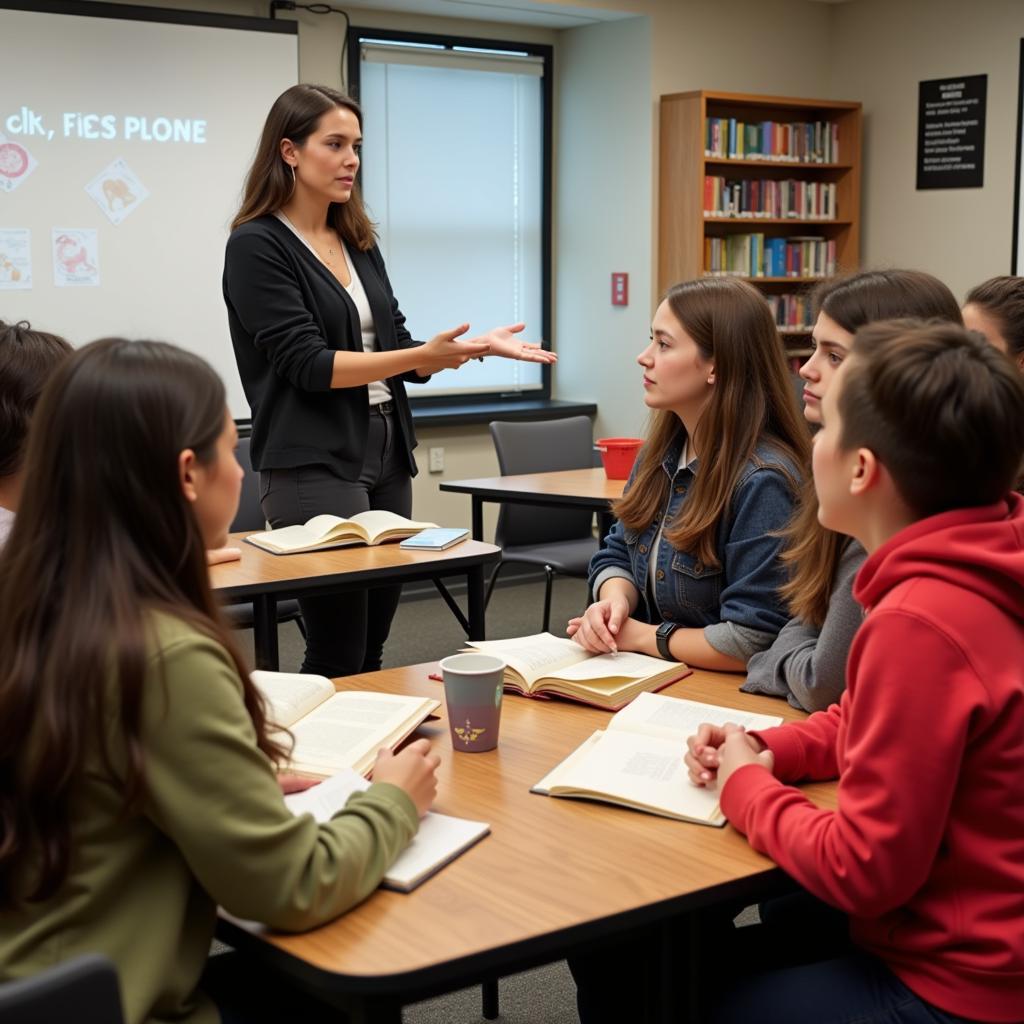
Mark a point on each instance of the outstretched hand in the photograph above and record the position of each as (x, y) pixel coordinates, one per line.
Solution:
(502, 342)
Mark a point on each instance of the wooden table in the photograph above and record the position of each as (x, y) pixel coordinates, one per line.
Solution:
(572, 488)
(553, 874)
(263, 578)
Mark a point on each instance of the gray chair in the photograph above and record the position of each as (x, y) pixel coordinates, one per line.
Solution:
(84, 990)
(560, 540)
(250, 517)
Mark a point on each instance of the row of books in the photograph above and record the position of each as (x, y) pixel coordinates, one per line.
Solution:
(791, 311)
(799, 200)
(807, 142)
(754, 255)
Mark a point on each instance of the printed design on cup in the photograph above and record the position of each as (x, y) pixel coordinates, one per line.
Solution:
(467, 733)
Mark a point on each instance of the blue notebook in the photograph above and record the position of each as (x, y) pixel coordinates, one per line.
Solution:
(434, 540)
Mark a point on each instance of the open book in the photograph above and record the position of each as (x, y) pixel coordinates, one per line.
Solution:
(440, 839)
(552, 666)
(374, 527)
(638, 760)
(334, 731)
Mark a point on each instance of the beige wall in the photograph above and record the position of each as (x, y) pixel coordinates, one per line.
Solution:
(610, 77)
(881, 51)
(608, 80)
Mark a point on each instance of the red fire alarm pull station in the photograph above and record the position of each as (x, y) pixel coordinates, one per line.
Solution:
(620, 289)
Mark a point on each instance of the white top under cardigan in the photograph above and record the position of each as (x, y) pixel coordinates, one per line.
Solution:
(379, 391)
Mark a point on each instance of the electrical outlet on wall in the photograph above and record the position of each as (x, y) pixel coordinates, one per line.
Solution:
(436, 460)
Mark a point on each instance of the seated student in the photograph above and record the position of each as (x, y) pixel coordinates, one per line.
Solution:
(690, 570)
(137, 785)
(995, 309)
(27, 358)
(807, 662)
(925, 849)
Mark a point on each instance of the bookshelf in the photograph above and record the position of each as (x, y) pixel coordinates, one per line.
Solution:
(818, 199)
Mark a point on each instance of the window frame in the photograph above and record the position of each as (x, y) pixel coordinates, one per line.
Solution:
(359, 34)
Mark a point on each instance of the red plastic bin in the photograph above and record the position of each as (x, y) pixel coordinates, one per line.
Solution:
(618, 455)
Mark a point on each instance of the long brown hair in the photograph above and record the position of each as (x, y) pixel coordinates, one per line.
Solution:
(812, 552)
(750, 404)
(1003, 299)
(270, 181)
(104, 538)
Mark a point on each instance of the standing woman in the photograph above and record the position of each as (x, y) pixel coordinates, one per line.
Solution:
(323, 352)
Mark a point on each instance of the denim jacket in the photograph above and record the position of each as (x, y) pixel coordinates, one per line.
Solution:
(738, 603)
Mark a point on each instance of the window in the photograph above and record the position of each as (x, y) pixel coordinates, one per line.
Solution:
(456, 171)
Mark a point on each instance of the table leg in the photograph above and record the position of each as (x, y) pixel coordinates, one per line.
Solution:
(605, 521)
(264, 629)
(489, 998)
(475, 601)
(478, 517)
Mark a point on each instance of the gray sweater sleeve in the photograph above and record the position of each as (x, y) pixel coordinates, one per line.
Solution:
(808, 666)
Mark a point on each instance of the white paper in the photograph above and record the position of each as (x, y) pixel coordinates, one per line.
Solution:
(117, 191)
(640, 771)
(76, 260)
(678, 719)
(15, 258)
(440, 837)
(16, 163)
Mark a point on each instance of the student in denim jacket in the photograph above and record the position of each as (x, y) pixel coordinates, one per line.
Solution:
(691, 570)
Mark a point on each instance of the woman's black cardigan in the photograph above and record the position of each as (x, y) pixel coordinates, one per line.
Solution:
(288, 315)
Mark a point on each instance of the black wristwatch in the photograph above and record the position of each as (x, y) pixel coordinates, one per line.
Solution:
(664, 631)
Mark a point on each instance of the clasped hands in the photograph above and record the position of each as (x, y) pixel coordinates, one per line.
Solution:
(714, 752)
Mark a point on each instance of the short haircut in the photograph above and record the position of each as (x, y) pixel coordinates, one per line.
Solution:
(941, 409)
(27, 359)
(1002, 298)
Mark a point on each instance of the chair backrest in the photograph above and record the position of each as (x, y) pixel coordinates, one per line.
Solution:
(540, 447)
(250, 515)
(84, 990)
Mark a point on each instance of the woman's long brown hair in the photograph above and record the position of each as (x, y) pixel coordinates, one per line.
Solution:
(270, 181)
(104, 538)
(751, 403)
(812, 552)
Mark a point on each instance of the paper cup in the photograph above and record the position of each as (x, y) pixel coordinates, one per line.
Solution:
(472, 690)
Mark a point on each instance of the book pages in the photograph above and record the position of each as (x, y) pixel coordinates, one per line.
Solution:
(290, 695)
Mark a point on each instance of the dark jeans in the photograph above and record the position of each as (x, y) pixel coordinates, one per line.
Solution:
(797, 967)
(345, 633)
(248, 994)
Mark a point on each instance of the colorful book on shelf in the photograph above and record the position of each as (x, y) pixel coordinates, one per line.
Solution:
(440, 839)
(333, 731)
(805, 142)
(550, 666)
(326, 531)
(637, 762)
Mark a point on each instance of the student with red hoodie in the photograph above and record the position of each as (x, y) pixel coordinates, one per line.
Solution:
(922, 437)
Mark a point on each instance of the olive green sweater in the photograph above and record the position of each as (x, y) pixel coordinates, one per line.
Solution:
(213, 829)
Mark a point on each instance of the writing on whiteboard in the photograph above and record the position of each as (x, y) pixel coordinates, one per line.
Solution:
(76, 124)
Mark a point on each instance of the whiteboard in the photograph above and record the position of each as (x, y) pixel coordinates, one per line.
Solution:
(124, 143)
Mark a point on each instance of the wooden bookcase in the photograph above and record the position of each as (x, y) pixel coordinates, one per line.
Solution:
(683, 226)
